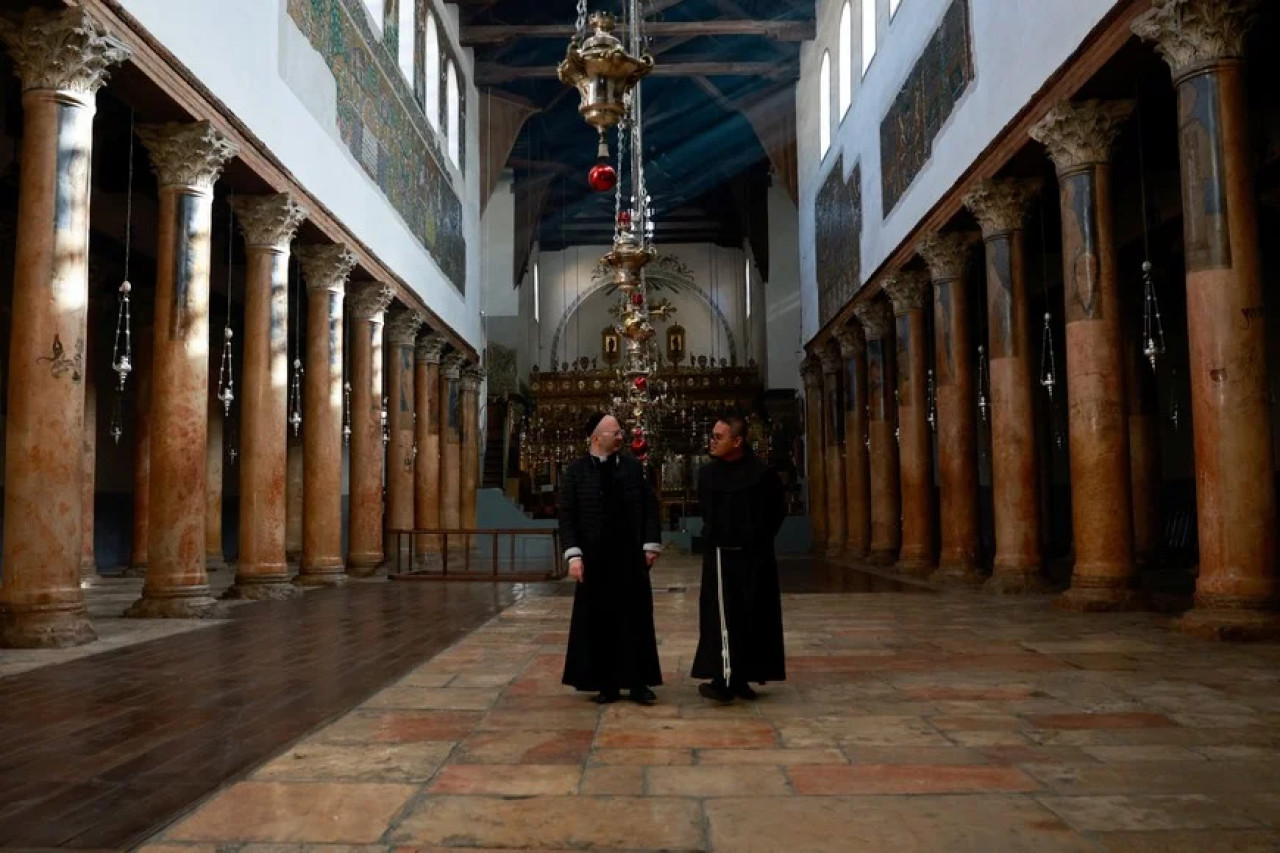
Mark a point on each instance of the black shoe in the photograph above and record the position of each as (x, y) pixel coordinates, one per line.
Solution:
(605, 697)
(643, 695)
(715, 690)
(743, 691)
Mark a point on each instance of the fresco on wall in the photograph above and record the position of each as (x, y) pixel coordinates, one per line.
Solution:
(838, 233)
(380, 122)
(931, 91)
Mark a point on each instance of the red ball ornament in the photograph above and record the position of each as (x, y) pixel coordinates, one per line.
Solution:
(602, 177)
(637, 298)
(624, 219)
(640, 447)
(641, 383)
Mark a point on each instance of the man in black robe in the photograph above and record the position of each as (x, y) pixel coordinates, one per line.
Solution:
(743, 507)
(609, 526)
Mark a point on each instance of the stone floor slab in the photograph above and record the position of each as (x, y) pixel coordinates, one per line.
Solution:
(507, 780)
(867, 779)
(396, 762)
(1145, 813)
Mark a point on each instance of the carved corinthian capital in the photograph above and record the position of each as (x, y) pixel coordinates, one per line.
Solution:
(66, 51)
(852, 341)
(811, 370)
(451, 367)
(829, 355)
(908, 290)
(187, 154)
(368, 300)
(471, 378)
(430, 348)
(402, 327)
(326, 267)
(947, 255)
(1189, 32)
(268, 221)
(1000, 204)
(876, 319)
(1081, 134)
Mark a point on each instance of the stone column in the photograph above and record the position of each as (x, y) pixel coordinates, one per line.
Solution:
(213, 555)
(426, 399)
(909, 292)
(857, 475)
(402, 329)
(294, 495)
(1000, 206)
(368, 305)
(815, 456)
(451, 444)
(89, 460)
(141, 541)
(886, 496)
(947, 256)
(1203, 42)
(62, 58)
(470, 391)
(325, 270)
(1079, 137)
(187, 159)
(268, 223)
(1144, 454)
(833, 451)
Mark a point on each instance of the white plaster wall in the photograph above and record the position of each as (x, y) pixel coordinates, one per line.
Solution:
(236, 48)
(1017, 45)
(781, 296)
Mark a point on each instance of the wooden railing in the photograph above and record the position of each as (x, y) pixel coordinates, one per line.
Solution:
(462, 554)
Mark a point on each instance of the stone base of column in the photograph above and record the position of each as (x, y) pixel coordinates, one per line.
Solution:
(364, 565)
(138, 571)
(275, 586)
(89, 569)
(835, 549)
(882, 557)
(322, 575)
(215, 564)
(958, 574)
(916, 567)
(191, 602)
(1016, 580)
(293, 558)
(45, 627)
(1099, 599)
(1241, 622)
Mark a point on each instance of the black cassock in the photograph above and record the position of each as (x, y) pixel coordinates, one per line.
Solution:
(742, 509)
(609, 511)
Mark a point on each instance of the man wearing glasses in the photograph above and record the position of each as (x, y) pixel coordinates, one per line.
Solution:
(740, 606)
(609, 525)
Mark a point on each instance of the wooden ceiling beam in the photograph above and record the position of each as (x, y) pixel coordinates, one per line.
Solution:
(494, 74)
(794, 31)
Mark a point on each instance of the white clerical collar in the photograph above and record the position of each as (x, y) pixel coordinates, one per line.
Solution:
(601, 457)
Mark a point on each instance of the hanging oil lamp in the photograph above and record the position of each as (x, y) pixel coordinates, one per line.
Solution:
(603, 73)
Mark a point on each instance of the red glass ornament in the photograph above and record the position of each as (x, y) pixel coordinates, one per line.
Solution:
(641, 383)
(602, 177)
(624, 218)
(637, 298)
(640, 447)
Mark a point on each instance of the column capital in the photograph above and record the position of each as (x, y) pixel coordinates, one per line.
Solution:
(829, 355)
(65, 51)
(1081, 133)
(1189, 32)
(326, 267)
(947, 255)
(472, 377)
(368, 300)
(1000, 204)
(876, 319)
(908, 290)
(451, 367)
(402, 327)
(187, 154)
(811, 370)
(268, 221)
(430, 348)
(852, 341)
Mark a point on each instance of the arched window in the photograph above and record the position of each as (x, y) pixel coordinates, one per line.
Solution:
(824, 105)
(431, 70)
(845, 65)
(868, 33)
(452, 105)
(408, 32)
(893, 7)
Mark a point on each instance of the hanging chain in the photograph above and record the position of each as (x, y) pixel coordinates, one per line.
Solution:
(295, 382)
(226, 378)
(1048, 364)
(386, 432)
(122, 346)
(1175, 401)
(984, 405)
(581, 25)
(1152, 328)
(413, 450)
(931, 401)
(346, 413)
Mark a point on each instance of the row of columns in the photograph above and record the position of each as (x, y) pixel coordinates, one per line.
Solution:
(1114, 466)
(63, 59)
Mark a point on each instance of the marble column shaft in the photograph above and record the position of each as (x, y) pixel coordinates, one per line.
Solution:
(451, 445)
(295, 493)
(268, 224)
(1000, 206)
(886, 495)
(141, 539)
(61, 58)
(1203, 42)
(187, 159)
(470, 383)
(401, 332)
(947, 256)
(857, 474)
(368, 305)
(426, 377)
(89, 460)
(324, 271)
(833, 445)
(213, 473)
(1079, 138)
(815, 455)
(910, 293)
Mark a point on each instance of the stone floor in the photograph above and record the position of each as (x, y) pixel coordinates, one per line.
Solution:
(947, 721)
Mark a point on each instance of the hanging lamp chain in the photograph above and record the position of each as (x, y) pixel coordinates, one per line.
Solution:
(226, 378)
(1153, 346)
(1048, 363)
